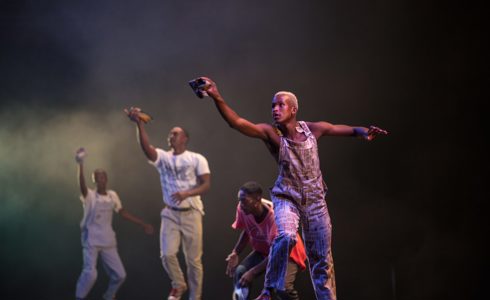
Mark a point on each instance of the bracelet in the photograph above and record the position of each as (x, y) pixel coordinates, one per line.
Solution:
(359, 131)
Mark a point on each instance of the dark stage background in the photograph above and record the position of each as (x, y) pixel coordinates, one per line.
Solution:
(407, 209)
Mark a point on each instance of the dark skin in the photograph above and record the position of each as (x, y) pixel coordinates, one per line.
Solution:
(284, 115)
(249, 204)
(177, 141)
(100, 179)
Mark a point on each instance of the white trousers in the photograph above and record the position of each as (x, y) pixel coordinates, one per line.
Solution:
(112, 264)
(182, 227)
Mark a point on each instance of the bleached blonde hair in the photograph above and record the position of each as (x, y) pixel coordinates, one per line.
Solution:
(292, 97)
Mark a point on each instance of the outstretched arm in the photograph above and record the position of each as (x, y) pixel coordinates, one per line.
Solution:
(142, 135)
(81, 178)
(325, 128)
(148, 228)
(244, 126)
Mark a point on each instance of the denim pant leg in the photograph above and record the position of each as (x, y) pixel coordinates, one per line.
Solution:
(253, 259)
(317, 233)
(287, 219)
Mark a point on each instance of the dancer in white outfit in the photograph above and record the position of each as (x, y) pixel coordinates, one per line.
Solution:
(184, 177)
(98, 237)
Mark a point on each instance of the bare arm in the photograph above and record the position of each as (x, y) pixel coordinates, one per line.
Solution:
(248, 276)
(81, 180)
(142, 135)
(233, 257)
(144, 140)
(203, 187)
(241, 243)
(148, 228)
(79, 157)
(244, 126)
(325, 128)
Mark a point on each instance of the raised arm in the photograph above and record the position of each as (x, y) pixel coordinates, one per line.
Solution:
(79, 157)
(141, 134)
(261, 131)
(324, 128)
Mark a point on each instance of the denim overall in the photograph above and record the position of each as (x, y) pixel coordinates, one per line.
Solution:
(299, 194)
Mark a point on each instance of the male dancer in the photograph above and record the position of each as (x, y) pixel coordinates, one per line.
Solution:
(184, 177)
(98, 237)
(299, 191)
(255, 217)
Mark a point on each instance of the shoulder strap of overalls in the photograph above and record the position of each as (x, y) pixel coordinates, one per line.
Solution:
(305, 128)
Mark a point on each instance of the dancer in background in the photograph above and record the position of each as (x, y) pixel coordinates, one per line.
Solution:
(98, 237)
(184, 177)
(255, 217)
(299, 192)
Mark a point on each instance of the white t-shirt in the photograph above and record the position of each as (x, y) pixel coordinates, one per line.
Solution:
(178, 173)
(89, 203)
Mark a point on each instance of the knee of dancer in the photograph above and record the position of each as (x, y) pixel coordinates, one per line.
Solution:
(120, 276)
(169, 259)
(195, 263)
(239, 271)
(288, 237)
(90, 273)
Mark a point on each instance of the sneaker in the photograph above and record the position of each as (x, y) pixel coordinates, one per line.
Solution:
(176, 294)
(240, 293)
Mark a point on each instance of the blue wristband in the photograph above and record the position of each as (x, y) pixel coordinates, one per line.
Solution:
(358, 131)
